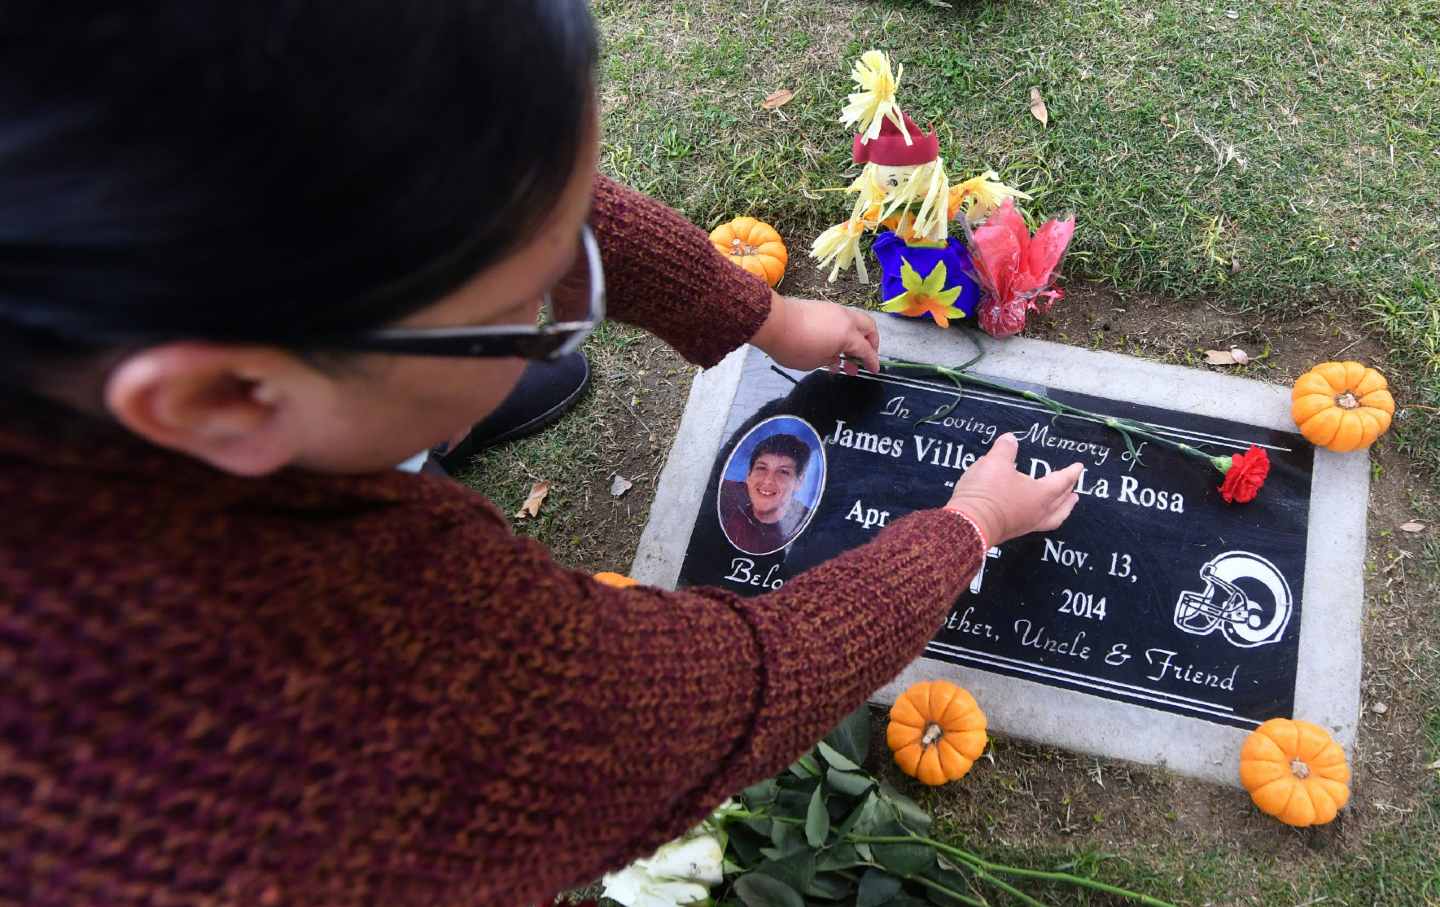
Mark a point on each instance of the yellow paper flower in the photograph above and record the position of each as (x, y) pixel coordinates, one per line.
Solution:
(925, 295)
(875, 101)
(979, 196)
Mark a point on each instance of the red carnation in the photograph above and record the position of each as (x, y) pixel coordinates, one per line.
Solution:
(1244, 475)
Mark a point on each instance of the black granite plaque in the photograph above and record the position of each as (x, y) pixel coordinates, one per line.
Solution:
(1155, 592)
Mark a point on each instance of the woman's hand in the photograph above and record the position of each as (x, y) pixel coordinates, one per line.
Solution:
(808, 333)
(1006, 503)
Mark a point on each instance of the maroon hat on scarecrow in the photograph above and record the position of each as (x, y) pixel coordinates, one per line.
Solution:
(889, 149)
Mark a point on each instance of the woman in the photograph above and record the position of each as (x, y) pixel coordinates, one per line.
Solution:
(245, 661)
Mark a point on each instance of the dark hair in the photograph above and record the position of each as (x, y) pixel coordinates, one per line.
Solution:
(783, 446)
(270, 170)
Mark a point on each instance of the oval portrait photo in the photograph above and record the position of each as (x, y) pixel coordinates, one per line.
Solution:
(771, 485)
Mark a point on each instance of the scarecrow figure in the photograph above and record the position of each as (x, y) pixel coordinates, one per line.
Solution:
(903, 194)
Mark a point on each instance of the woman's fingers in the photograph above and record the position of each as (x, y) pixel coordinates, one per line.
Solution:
(871, 332)
(1004, 449)
(1059, 513)
(863, 344)
(1063, 482)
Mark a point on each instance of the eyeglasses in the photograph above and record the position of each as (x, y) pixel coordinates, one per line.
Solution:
(568, 314)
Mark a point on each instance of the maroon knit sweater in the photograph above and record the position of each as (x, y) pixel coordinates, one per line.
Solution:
(324, 691)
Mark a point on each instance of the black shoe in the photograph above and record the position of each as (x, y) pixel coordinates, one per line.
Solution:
(547, 390)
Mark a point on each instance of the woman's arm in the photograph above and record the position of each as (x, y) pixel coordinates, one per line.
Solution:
(663, 703)
(361, 690)
(663, 274)
(638, 710)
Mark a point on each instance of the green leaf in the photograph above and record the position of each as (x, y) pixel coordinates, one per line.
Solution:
(776, 854)
(796, 870)
(781, 833)
(760, 825)
(794, 804)
(866, 819)
(836, 758)
(840, 856)
(745, 846)
(850, 784)
(817, 820)
(904, 859)
(876, 888)
(756, 889)
(830, 887)
(762, 794)
(851, 737)
(907, 811)
(806, 767)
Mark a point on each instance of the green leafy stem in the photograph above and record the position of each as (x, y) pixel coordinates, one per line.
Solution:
(827, 829)
(984, 870)
(1128, 429)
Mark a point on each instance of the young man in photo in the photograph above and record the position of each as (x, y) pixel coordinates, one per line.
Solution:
(760, 514)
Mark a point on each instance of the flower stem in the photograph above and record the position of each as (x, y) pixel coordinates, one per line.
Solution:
(946, 890)
(1124, 426)
(985, 867)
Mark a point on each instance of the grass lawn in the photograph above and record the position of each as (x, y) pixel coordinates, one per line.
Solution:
(1277, 155)
(1275, 162)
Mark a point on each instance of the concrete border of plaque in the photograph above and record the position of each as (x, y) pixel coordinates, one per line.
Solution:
(1327, 672)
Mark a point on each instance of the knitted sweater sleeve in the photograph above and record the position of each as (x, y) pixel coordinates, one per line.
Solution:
(339, 691)
(662, 274)
(647, 708)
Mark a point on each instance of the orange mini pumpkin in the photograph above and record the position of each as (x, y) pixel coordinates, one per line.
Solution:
(753, 245)
(615, 579)
(1295, 772)
(1341, 406)
(936, 731)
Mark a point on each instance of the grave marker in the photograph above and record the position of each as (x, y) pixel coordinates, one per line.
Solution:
(1159, 624)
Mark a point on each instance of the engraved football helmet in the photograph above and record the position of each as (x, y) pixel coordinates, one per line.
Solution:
(1245, 597)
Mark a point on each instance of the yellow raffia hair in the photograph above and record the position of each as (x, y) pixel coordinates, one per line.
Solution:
(931, 188)
(875, 203)
(980, 195)
(840, 245)
(875, 101)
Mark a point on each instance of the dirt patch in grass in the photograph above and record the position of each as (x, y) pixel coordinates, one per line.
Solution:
(640, 397)
(623, 426)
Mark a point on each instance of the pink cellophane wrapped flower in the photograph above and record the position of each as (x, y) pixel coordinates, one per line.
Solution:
(1015, 269)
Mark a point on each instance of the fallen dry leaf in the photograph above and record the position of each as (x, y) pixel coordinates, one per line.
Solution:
(1037, 107)
(777, 99)
(531, 507)
(619, 485)
(1412, 526)
(1232, 356)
